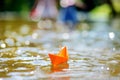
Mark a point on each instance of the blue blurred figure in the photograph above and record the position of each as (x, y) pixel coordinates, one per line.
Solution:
(68, 13)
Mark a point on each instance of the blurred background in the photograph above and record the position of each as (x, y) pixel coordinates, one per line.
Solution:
(98, 8)
(60, 15)
(67, 13)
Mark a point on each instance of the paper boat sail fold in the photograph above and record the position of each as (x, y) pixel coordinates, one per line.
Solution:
(59, 58)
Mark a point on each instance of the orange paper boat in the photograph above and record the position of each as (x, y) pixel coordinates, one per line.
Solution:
(59, 58)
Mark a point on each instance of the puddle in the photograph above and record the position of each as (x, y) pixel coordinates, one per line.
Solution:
(92, 54)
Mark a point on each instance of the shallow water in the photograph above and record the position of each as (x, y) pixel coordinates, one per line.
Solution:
(93, 54)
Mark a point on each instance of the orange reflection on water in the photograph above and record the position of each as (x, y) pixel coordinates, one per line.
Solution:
(59, 68)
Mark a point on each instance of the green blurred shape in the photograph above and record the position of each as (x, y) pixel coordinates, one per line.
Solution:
(101, 12)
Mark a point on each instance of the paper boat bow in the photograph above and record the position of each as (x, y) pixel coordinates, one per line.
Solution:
(59, 58)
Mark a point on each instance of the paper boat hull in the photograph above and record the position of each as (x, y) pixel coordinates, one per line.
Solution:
(55, 59)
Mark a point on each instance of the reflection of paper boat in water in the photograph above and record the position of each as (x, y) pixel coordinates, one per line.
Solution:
(59, 58)
(59, 67)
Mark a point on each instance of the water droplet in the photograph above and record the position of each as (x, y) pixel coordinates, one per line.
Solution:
(24, 29)
(102, 67)
(34, 35)
(65, 36)
(6, 69)
(27, 42)
(108, 68)
(19, 52)
(32, 72)
(111, 35)
(3, 45)
(9, 41)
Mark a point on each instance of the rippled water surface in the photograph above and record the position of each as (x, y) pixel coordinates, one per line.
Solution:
(93, 54)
